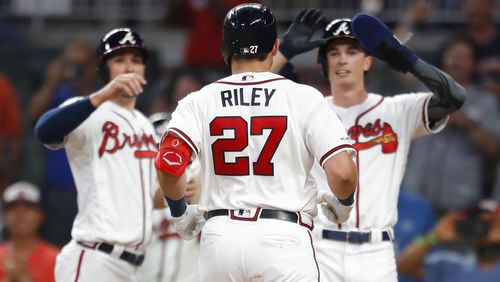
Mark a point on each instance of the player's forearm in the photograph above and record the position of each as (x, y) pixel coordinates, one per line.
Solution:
(173, 187)
(341, 175)
(449, 96)
(159, 200)
(174, 190)
(57, 123)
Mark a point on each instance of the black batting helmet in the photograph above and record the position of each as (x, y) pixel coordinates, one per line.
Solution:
(338, 28)
(117, 39)
(249, 29)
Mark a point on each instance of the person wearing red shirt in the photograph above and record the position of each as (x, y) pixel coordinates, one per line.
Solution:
(25, 256)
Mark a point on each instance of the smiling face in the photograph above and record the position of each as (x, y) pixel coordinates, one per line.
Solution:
(347, 63)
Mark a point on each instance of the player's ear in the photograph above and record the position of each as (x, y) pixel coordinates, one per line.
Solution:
(368, 60)
(276, 46)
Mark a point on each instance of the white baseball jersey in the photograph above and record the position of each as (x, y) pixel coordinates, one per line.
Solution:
(111, 155)
(381, 129)
(257, 135)
(169, 258)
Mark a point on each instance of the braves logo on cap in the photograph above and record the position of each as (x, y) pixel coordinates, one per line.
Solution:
(344, 28)
(129, 37)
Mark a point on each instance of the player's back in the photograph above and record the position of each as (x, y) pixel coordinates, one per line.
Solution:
(255, 141)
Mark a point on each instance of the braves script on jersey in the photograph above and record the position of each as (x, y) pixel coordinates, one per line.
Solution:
(381, 130)
(111, 156)
(254, 133)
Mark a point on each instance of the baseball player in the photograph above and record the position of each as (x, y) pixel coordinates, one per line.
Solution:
(381, 129)
(170, 258)
(110, 148)
(257, 135)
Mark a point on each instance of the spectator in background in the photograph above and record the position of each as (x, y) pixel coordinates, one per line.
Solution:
(415, 218)
(448, 168)
(480, 26)
(182, 82)
(11, 133)
(465, 246)
(25, 256)
(68, 76)
(204, 19)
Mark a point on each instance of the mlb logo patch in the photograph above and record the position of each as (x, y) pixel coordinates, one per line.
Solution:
(244, 50)
(244, 214)
(247, 78)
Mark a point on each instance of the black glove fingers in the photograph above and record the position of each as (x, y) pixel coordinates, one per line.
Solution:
(319, 20)
(310, 16)
(300, 17)
(316, 15)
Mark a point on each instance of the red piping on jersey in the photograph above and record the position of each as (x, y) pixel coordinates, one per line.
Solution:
(78, 268)
(424, 120)
(250, 83)
(357, 159)
(314, 254)
(301, 223)
(142, 186)
(343, 146)
(185, 136)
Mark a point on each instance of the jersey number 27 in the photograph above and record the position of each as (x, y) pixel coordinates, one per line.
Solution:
(263, 165)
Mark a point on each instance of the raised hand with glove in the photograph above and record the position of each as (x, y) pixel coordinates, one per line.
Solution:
(380, 42)
(333, 209)
(298, 38)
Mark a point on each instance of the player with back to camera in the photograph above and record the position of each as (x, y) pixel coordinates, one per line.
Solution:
(257, 135)
(381, 129)
(110, 147)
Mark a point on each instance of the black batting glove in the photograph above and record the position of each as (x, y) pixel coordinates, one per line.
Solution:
(297, 38)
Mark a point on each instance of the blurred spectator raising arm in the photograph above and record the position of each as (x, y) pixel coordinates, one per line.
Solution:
(11, 133)
(68, 76)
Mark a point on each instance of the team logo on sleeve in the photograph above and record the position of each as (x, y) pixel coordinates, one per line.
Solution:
(374, 134)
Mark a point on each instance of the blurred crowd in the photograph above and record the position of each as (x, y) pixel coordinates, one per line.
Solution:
(449, 214)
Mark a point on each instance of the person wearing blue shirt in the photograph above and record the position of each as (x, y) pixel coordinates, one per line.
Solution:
(416, 217)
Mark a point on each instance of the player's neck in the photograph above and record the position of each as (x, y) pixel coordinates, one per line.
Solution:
(127, 103)
(250, 66)
(348, 97)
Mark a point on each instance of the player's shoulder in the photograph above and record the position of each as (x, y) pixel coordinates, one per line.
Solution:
(407, 97)
(72, 100)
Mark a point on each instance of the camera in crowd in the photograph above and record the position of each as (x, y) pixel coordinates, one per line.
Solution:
(480, 229)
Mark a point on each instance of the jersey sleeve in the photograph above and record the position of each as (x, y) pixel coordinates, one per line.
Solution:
(75, 132)
(325, 134)
(415, 114)
(185, 123)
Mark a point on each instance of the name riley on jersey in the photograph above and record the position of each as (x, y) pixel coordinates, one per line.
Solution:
(235, 97)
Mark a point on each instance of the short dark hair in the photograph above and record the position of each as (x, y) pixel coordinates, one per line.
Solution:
(261, 57)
